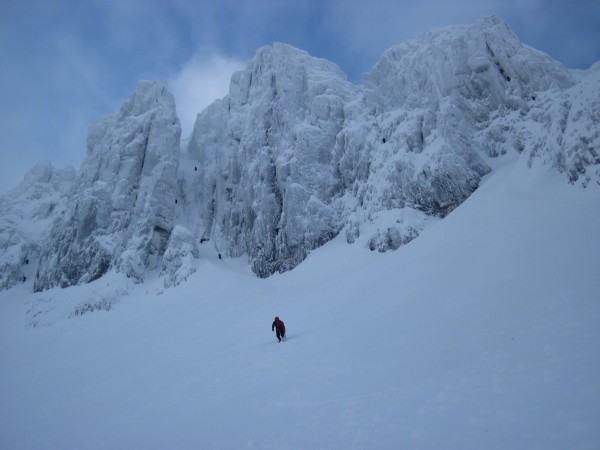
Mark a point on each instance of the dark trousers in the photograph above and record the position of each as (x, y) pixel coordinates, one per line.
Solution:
(280, 333)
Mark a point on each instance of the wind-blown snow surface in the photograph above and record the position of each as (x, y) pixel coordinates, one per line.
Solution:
(482, 333)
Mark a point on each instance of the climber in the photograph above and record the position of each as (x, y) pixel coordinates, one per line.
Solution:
(279, 329)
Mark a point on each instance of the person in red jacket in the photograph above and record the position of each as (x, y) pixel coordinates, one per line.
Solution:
(279, 329)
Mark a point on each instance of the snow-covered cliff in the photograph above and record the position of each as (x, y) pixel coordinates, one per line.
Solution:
(121, 208)
(296, 154)
(264, 153)
(26, 213)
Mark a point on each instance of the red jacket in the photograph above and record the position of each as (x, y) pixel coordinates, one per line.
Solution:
(277, 324)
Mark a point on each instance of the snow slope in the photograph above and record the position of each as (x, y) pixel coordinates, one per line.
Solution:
(483, 333)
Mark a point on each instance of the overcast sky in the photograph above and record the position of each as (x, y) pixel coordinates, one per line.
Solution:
(66, 63)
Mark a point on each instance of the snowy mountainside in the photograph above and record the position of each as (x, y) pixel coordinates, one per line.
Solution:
(296, 154)
(434, 99)
(265, 161)
(414, 137)
(27, 212)
(481, 333)
(121, 209)
(571, 141)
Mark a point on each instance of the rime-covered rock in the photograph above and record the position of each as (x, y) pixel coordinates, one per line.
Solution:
(27, 212)
(427, 101)
(178, 259)
(264, 155)
(122, 207)
(570, 142)
(296, 154)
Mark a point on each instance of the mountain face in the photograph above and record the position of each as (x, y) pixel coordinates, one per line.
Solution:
(266, 163)
(26, 213)
(121, 207)
(296, 154)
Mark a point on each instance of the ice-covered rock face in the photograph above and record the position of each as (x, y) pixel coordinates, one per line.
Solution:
(295, 152)
(265, 158)
(27, 212)
(570, 142)
(429, 100)
(483, 62)
(178, 259)
(122, 207)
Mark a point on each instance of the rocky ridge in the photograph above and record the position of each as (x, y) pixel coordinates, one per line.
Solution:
(296, 154)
